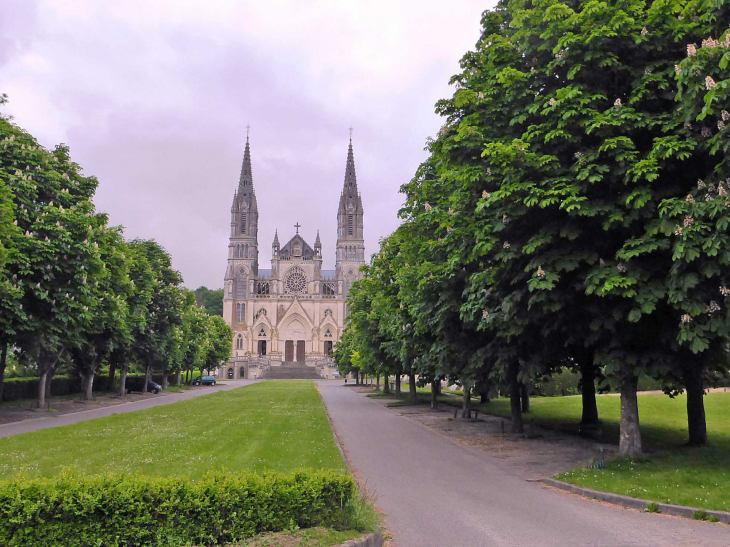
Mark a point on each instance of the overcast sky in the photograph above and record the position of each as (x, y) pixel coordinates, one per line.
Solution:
(154, 96)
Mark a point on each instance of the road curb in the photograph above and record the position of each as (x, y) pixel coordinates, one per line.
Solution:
(636, 503)
(371, 540)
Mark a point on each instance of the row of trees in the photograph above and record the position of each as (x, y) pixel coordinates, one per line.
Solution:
(573, 212)
(73, 290)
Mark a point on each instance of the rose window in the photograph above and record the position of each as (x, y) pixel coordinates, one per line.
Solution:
(295, 281)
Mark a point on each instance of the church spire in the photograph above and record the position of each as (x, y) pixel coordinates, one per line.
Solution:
(350, 177)
(246, 180)
(276, 239)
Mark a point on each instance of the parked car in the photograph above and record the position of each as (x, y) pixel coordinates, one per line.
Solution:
(137, 384)
(205, 380)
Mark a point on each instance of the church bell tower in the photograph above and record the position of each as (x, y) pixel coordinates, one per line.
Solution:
(243, 253)
(350, 239)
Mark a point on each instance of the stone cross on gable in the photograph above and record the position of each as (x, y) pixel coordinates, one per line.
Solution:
(297, 226)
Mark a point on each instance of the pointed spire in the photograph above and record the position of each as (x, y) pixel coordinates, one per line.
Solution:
(317, 242)
(246, 180)
(276, 239)
(350, 177)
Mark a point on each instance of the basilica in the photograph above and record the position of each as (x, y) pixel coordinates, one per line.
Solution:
(295, 310)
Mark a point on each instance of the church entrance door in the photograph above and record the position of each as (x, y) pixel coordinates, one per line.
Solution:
(262, 347)
(300, 351)
(327, 347)
(289, 350)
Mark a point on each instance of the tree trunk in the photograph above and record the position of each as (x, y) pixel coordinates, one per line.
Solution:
(46, 360)
(179, 377)
(112, 375)
(525, 396)
(386, 384)
(514, 397)
(693, 382)
(484, 393)
(146, 378)
(123, 380)
(630, 436)
(377, 382)
(41, 397)
(49, 382)
(3, 361)
(588, 392)
(164, 381)
(466, 401)
(434, 394)
(397, 384)
(412, 385)
(87, 384)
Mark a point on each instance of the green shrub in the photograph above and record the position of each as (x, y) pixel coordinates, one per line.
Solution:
(135, 510)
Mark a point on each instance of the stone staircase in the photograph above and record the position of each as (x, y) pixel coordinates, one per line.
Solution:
(291, 370)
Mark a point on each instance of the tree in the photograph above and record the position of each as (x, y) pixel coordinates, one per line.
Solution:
(559, 208)
(142, 281)
(109, 327)
(163, 309)
(54, 265)
(218, 340)
(210, 300)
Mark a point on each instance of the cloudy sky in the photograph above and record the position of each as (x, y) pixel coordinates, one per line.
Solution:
(154, 96)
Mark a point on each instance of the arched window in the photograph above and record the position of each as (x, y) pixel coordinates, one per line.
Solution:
(240, 312)
(350, 224)
(241, 284)
(244, 216)
(239, 341)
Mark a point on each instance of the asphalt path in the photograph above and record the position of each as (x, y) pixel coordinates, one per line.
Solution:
(34, 424)
(435, 492)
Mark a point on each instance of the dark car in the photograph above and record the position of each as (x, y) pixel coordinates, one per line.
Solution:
(205, 380)
(137, 384)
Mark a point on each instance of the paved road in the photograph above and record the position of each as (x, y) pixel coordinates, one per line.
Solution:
(35, 424)
(437, 493)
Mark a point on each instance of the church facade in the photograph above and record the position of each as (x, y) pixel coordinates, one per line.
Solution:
(294, 311)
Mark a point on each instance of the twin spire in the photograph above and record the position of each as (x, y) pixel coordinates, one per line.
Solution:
(246, 178)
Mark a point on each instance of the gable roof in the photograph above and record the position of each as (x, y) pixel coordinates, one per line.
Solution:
(287, 251)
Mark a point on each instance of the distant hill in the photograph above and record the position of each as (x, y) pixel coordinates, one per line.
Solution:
(211, 300)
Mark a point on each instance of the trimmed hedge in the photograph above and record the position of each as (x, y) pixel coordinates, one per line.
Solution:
(130, 510)
(27, 388)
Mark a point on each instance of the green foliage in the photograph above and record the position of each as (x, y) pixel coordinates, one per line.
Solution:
(210, 300)
(652, 507)
(558, 222)
(139, 510)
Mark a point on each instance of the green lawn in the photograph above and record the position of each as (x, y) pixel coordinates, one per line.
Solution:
(671, 471)
(277, 426)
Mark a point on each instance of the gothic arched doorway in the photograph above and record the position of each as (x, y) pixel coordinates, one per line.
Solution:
(230, 374)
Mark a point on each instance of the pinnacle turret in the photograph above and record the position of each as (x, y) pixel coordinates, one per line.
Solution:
(276, 239)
